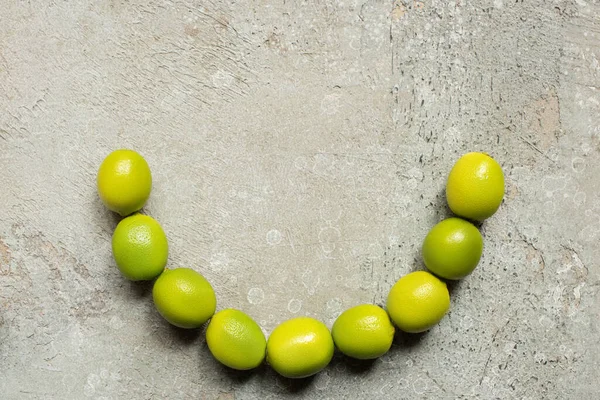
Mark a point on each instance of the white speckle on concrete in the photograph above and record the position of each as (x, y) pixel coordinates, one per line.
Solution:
(222, 79)
(219, 261)
(294, 306)
(328, 238)
(88, 390)
(578, 164)
(466, 323)
(274, 237)
(256, 296)
(579, 199)
(301, 163)
(419, 386)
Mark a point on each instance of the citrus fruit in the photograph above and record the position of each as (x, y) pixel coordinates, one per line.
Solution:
(235, 340)
(299, 347)
(124, 181)
(475, 186)
(418, 301)
(140, 247)
(184, 298)
(452, 248)
(364, 332)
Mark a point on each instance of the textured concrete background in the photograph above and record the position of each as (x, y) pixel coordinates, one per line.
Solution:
(299, 151)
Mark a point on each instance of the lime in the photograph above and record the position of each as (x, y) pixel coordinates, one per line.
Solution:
(140, 247)
(418, 301)
(235, 340)
(184, 298)
(452, 248)
(364, 332)
(475, 186)
(124, 181)
(300, 347)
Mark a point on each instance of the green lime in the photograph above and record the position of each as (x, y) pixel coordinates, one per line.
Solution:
(300, 347)
(475, 186)
(124, 181)
(418, 301)
(363, 332)
(452, 248)
(140, 247)
(235, 340)
(184, 298)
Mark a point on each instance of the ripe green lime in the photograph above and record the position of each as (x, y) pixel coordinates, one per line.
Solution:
(418, 301)
(364, 332)
(235, 340)
(475, 186)
(124, 181)
(452, 248)
(140, 247)
(300, 347)
(184, 297)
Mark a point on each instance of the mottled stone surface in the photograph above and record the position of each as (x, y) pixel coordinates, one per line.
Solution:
(299, 151)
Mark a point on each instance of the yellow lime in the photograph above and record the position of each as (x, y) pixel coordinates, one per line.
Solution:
(184, 298)
(124, 181)
(300, 347)
(475, 186)
(364, 332)
(452, 248)
(140, 247)
(418, 301)
(236, 340)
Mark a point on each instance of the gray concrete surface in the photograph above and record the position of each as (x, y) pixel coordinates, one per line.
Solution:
(299, 151)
